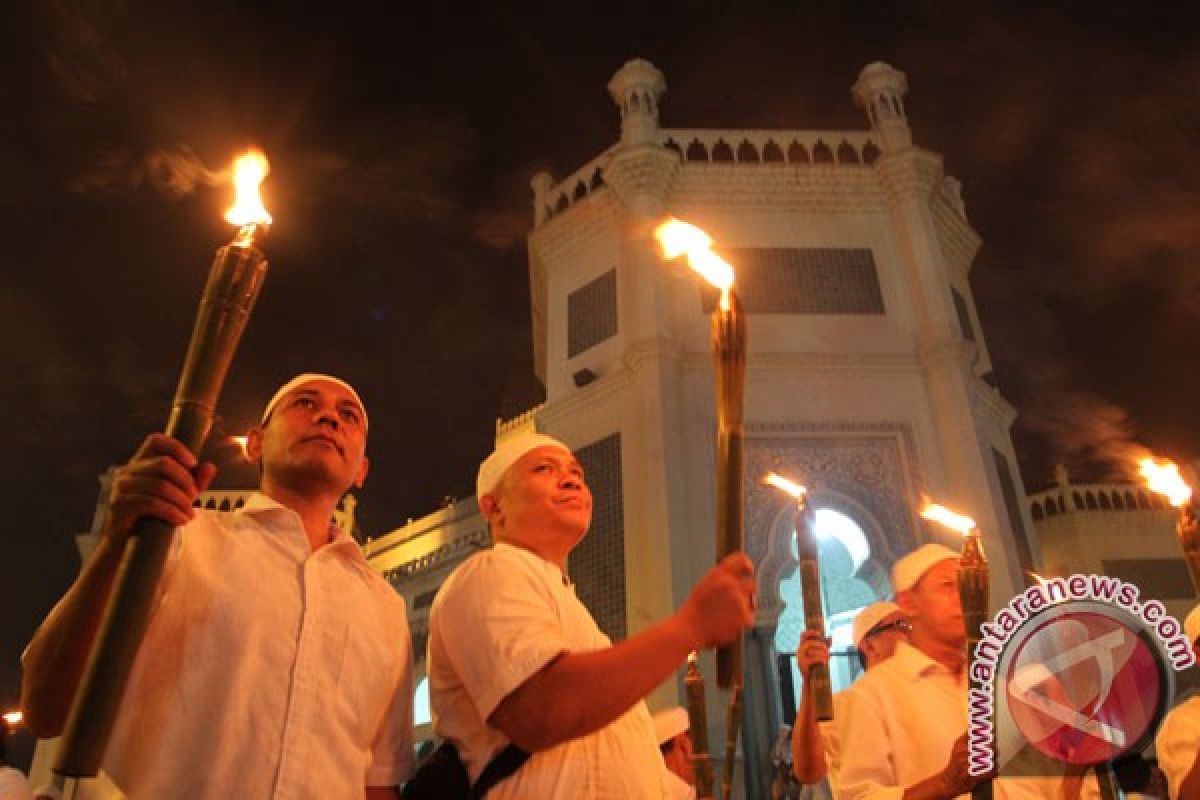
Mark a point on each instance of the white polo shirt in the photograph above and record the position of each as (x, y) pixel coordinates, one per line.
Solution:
(268, 670)
(1178, 742)
(501, 617)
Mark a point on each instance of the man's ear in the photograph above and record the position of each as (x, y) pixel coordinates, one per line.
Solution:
(907, 600)
(489, 506)
(254, 444)
(363, 469)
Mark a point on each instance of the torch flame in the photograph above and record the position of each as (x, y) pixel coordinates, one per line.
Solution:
(241, 443)
(791, 487)
(248, 173)
(13, 718)
(1163, 476)
(944, 516)
(692, 657)
(680, 238)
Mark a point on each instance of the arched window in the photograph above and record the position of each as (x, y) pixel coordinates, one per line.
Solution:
(843, 549)
(421, 714)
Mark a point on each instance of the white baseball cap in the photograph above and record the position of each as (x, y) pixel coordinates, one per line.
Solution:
(871, 616)
(908, 570)
(670, 723)
(1191, 625)
(311, 377)
(508, 453)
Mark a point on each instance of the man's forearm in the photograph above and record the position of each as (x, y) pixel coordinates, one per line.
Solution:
(808, 754)
(580, 693)
(54, 662)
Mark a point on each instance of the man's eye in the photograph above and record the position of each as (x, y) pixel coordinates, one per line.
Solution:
(349, 416)
(305, 402)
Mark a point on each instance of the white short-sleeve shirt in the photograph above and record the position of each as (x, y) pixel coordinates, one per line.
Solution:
(268, 670)
(499, 619)
(1178, 742)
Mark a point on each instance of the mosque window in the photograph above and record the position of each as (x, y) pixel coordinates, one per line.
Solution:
(592, 314)
(843, 550)
(597, 564)
(805, 280)
(421, 714)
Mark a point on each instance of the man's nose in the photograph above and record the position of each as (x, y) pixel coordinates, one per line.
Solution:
(570, 481)
(327, 417)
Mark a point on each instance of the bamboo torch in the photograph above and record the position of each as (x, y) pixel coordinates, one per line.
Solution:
(1163, 477)
(693, 683)
(728, 334)
(973, 580)
(803, 522)
(233, 284)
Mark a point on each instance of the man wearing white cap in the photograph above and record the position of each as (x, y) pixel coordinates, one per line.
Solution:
(905, 733)
(816, 750)
(277, 662)
(1177, 744)
(516, 660)
(671, 729)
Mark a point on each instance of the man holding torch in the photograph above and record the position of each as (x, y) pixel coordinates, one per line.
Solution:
(516, 661)
(1178, 741)
(905, 732)
(277, 663)
(816, 745)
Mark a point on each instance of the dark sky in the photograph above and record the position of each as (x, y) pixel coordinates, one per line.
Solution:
(402, 142)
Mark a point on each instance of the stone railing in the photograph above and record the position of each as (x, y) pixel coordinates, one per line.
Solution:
(1093, 497)
(233, 499)
(718, 146)
(522, 420)
(771, 147)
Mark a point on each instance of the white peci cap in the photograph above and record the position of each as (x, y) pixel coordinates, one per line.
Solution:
(908, 570)
(508, 453)
(670, 723)
(311, 377)
(871, 616)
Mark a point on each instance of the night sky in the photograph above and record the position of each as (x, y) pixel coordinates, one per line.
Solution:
(402, 142)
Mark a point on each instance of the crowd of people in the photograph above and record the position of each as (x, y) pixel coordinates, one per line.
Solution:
(278, 663)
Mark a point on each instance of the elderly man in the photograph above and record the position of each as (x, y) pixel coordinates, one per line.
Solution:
(277, 663)
(816, 749)
(516, 661)
(1178, 741)
(671, 728)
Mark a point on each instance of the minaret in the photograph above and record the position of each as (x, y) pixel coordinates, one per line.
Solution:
(641, 170)
(880, 89)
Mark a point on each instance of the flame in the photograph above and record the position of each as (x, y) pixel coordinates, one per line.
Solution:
(692, 657)
(791, 487)
(248, 173)
(14, 718)
(1036, 577)
(1163, 476)
(679, 238)
(944, 516)
(241, 442)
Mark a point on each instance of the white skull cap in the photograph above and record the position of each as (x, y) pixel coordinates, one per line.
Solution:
(908, 570)
(508, 453)
(311, 377)
(669, 723)
(871, 616)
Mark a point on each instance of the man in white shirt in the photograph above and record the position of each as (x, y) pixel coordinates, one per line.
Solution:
(905, 735)
(816, 748)
(515, 658)
(1177, 744)
(672, 728)
(277, 663)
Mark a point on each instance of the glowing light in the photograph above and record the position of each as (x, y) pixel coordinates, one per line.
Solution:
(13, 718)
(241, 442)
(680, 238)
(948, 518)
(790, 487)
(248, 173)
(1162, 476)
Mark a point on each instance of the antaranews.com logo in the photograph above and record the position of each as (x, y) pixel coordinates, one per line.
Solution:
(1073, 670)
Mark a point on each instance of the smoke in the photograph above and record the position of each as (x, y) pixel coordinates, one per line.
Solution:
(175, 171)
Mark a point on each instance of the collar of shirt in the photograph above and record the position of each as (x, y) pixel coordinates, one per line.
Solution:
(913, 663)
(533, 558)
(259, 504)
